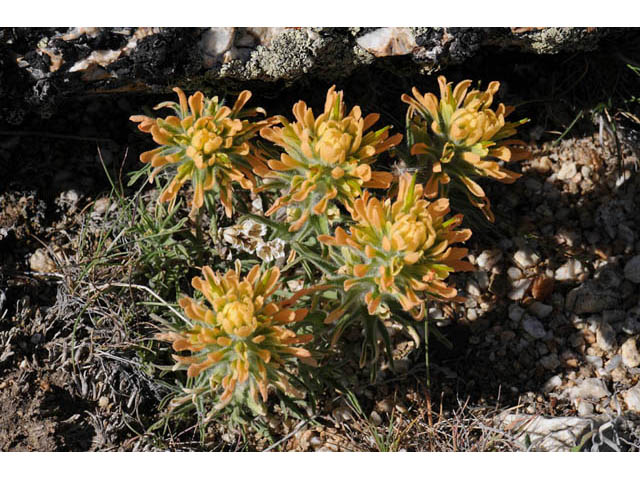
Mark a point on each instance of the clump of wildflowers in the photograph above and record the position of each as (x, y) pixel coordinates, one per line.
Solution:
(241, 339)
(461, 139)
(206, 142)
(325, 159)
(400, 250)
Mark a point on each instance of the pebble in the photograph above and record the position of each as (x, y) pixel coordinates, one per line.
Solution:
(41, 262)
(550, 362)
(533, 327)
(632, 269)
(375, 418)
(606, 337)
(519, 288)
(540, 310)
(551, 384)
(569, 271)
(612, 364)
(315, 441)
(488, 259)
(473, 288)
(100, 207)
(515, 312)
(632, 398)
(103, 402)
(594, 360)
(589, 389)
(482, 278)
(629, 353)
(526, 258)
(567, 171)
(514, 273)
(585, 408)
(588, 298)
(631, 326)
(384, 406)
(342, 414)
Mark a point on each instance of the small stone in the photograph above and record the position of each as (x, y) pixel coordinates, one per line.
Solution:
(488, 259)
(540, 310)
(482, 278)
(384, 406)
(588, 298)
(569, 271)
(100, 207)
(342, 414)
(632, 398)
(631, 325)
(589, 389)
(542, 287)
(514, 273)
(551, 434)
(519, 288)
(551, 384)
(567, 171)
(388, 41)
(630, 354)
(606, 337)
(472, 315)
(515, 312)
(585, 408)
(632, 269)
(526, 258)
(315, 441)
(41, 262)
(473, 288)
(594, 361)
(550, 362)
(612, 364)
(533, 327)
(103, 402)
(375, 418)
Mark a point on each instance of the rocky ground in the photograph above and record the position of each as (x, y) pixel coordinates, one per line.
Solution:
(544, 350)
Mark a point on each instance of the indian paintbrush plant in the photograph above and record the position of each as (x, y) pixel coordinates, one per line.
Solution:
(459, 139)
(384, 261)
(241, 339)
(325, 160)
(206, 142)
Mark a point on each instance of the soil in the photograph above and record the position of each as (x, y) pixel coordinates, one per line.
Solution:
(70, 371)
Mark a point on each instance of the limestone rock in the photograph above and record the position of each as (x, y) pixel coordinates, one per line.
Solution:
(41, 66)
(630, 354)
(632, 269)
(557, 434)
(632, 398)
(589, 389)
(590, 298)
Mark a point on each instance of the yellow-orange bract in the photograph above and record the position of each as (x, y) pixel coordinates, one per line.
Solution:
(401, 250)
(206, 141)
(325, 159)
(461, 138)
(240, 339)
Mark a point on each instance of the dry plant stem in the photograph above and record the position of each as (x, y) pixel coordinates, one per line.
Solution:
(426, 363)
(146, 289)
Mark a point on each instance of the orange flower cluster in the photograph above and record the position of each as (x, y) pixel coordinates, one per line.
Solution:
(206, 142)
(325, 159)
(401, 250)
(460, 138)
(240, 339)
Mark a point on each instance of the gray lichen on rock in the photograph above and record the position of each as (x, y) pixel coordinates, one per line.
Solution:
(55, 63)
